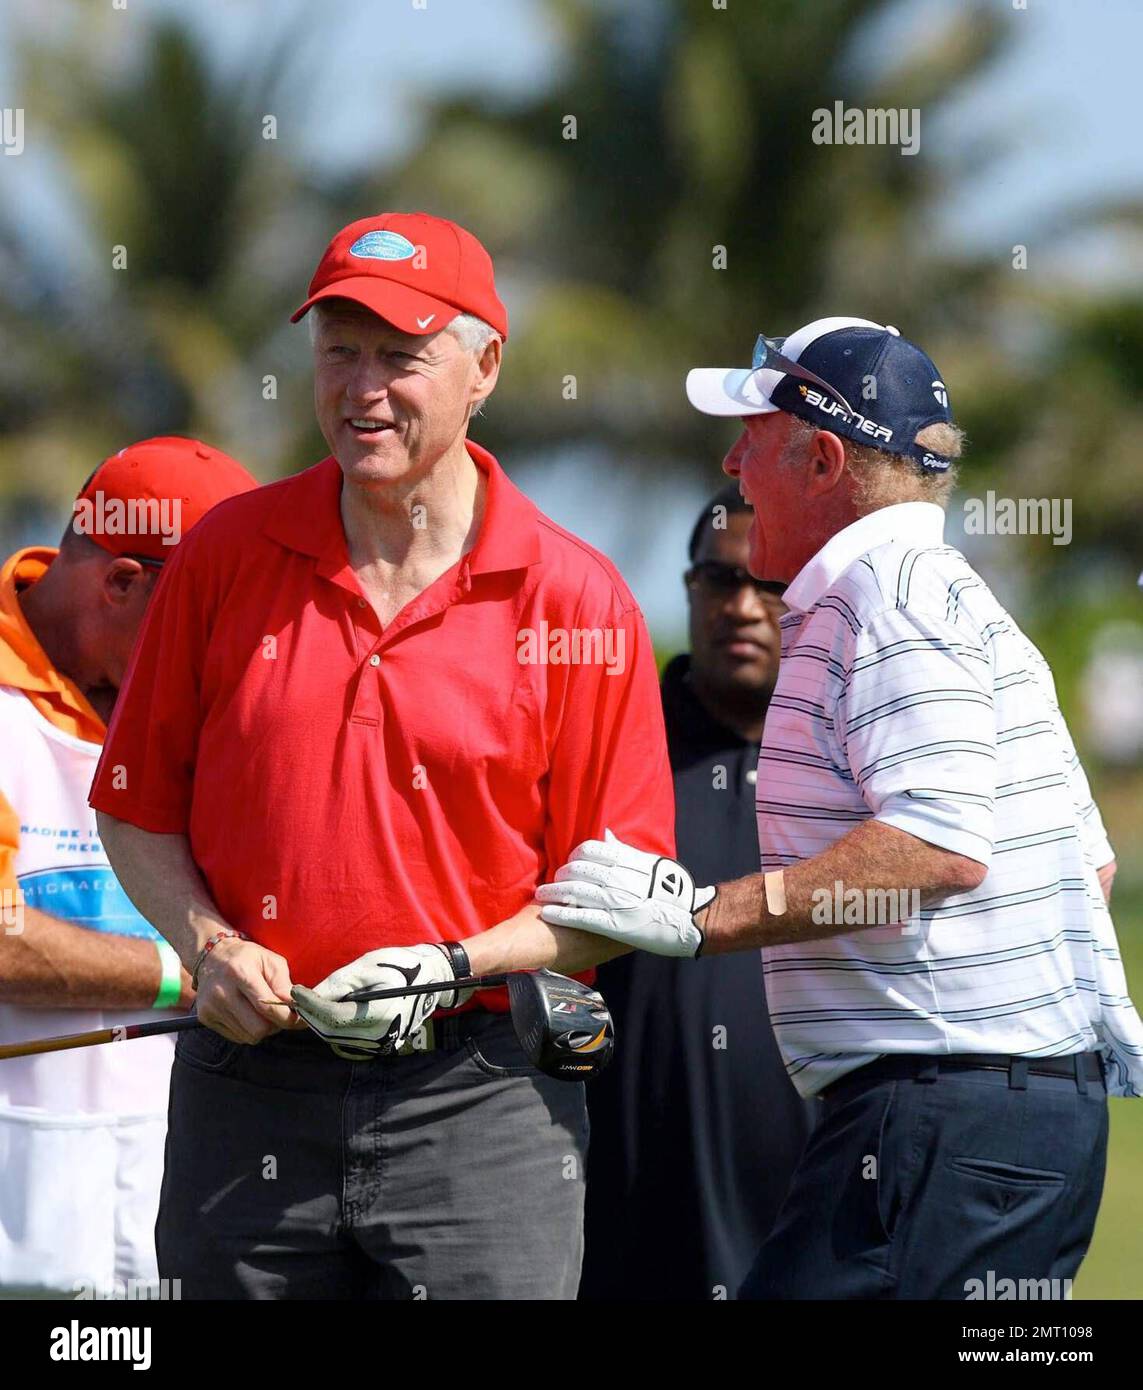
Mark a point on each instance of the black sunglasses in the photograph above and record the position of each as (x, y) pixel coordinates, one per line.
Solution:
(717, 577)
(768, 353)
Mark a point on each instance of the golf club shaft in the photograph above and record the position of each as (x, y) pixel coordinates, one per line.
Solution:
(123, 1033)
(362, 996)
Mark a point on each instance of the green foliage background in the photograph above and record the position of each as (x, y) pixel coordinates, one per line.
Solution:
(692, 132)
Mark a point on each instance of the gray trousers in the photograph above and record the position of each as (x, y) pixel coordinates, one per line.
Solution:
(292, 1173)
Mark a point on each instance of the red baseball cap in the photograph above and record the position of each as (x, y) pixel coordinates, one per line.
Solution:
(144, 499)
(417, 271)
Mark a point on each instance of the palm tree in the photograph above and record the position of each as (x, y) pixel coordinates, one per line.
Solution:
(692, 132)
(187, 235)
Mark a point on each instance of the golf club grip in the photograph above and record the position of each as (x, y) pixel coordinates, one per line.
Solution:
(363, 996)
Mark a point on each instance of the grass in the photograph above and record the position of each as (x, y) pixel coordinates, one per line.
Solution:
(1114, 1265)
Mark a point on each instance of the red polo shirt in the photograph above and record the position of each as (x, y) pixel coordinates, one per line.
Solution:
(345, 786)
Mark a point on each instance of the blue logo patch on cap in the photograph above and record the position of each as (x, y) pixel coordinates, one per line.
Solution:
(383, 246)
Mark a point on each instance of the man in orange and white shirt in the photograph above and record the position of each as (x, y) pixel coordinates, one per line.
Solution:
(82, 1133)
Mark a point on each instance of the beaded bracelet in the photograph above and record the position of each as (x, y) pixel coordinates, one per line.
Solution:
(210, 945)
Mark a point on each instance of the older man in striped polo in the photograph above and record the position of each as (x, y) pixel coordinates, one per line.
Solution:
(940, 962)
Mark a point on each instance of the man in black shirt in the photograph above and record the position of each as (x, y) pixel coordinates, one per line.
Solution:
(695, 1128)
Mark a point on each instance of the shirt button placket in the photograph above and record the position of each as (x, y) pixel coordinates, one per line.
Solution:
(367, 701)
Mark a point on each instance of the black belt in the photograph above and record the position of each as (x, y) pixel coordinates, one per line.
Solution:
(446, 1034)
(1081, 1066)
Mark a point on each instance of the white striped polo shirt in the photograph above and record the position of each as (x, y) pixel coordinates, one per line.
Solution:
(907, 693)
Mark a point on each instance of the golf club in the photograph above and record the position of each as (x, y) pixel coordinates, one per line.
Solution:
(124, 1032)
(563, 1026)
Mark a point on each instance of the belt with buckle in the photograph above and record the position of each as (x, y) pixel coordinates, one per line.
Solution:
(1081, 1066)
(441, 1034)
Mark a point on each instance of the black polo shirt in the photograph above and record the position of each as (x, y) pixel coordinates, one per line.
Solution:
(695, 1128)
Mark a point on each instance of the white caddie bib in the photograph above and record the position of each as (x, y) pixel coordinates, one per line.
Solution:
(81, 1132)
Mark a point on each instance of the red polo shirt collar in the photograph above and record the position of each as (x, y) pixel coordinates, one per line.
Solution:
(308, 520)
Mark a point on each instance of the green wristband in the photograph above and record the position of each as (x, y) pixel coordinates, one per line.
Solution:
(171, 985)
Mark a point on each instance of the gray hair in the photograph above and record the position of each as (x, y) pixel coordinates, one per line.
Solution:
(881, 479)
(471, 333)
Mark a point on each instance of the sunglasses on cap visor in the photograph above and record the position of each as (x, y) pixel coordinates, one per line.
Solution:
(768, 353)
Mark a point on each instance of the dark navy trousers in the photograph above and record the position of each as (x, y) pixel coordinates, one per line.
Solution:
(941, 1187)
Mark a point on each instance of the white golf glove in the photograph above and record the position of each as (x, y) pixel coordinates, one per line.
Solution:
(640, 899)
(361, 1031)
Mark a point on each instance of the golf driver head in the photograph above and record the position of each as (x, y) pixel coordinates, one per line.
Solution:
(562, 1025)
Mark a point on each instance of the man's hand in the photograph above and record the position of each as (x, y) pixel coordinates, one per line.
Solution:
(632, 897)
(361, 1031)
(233, 982)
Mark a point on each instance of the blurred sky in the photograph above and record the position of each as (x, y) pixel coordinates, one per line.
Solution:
(1061, 114)
(1065, 105)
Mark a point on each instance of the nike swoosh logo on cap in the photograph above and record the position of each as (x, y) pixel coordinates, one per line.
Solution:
(424, 323)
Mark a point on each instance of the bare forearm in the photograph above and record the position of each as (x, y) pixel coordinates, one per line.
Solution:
(523, 942)
(49, 963)
(163, 881)
(1107, 878)
(898, 868)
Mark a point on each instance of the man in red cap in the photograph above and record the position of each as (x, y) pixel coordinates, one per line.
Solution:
(373, 705)
(82, 1133)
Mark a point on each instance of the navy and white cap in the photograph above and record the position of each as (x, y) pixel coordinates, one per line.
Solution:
(885, 390)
